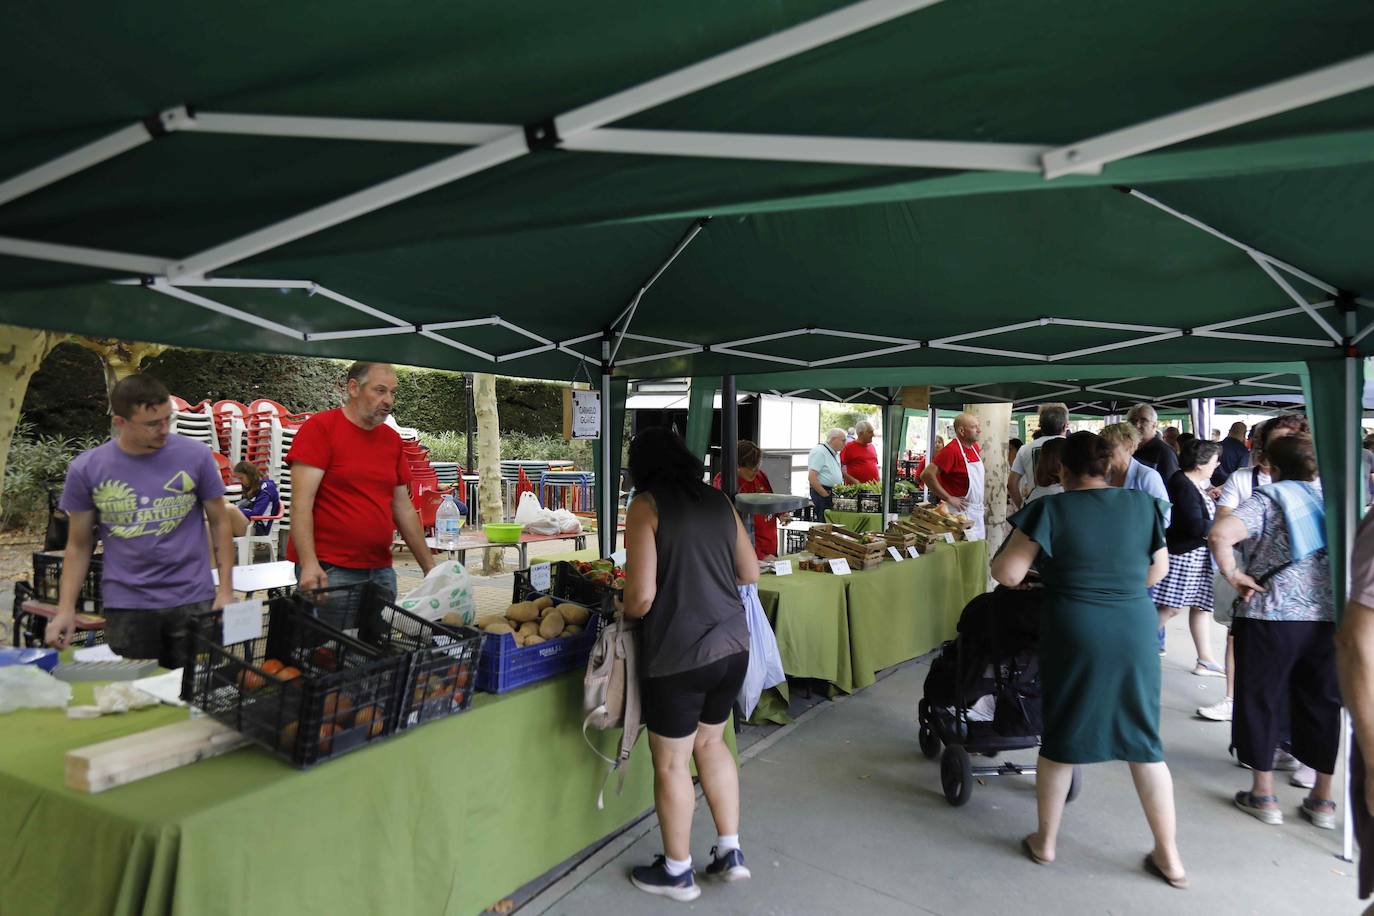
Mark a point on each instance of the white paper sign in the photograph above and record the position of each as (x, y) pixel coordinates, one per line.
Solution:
(539, 577)
(839, 567)
(586, 415)
(949, 538)
(782, 567)
(896, 554)
(242, 621)
(913, 552)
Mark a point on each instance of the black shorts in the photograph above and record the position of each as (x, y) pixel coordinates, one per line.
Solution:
(159, 633)
(675, 704)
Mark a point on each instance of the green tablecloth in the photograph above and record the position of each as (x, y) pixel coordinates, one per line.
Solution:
(855, 521)
(446, 818)
(844, 629)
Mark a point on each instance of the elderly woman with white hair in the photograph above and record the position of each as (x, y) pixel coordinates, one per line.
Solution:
(824, 472)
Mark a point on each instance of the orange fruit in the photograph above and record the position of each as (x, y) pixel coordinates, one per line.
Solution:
(249, 680)
(271, 666)
(327, 732)
(371, 717)
(464, 677)
(336, 705)
(287, 674)
(287, 739)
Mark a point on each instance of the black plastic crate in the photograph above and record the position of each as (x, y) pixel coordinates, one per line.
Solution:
(443, 659)
(904, 505)
(47, 579)
(346, 694)
(566, 583)
(869, 502)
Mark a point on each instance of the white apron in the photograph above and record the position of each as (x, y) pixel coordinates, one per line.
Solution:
(974, 507)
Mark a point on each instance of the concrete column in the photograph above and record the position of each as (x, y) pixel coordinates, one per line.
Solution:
(995, 420)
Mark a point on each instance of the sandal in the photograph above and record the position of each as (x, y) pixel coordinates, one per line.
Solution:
(1250, 803)
(1208, 669)
(1151, 866)
(1321, 812)
(1030, 853)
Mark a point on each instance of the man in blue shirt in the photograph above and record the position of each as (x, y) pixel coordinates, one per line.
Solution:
(823, 471)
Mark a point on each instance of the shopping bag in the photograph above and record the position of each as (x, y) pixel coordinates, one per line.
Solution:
(567, 522)
(765, 662)
(528, 509)
(446, 590)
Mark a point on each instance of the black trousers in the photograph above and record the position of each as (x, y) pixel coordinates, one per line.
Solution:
(1288, 659)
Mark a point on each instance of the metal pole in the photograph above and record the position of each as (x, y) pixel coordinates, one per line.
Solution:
(1354, 501)
(469, 420)
(729, 438)
(608, 490)
(932, 418)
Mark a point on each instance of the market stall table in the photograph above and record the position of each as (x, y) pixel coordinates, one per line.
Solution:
(476, 541)
(445, 818)
(260, 577)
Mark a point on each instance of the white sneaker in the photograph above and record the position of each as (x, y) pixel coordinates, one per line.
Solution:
(1303, 778)
(1285, 761)
(1219, 711)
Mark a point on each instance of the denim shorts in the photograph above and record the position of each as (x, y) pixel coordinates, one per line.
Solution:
(344, 617)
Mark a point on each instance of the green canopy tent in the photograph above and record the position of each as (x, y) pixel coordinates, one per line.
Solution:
(717, 189)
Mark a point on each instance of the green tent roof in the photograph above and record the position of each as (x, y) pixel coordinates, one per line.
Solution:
(933, 239)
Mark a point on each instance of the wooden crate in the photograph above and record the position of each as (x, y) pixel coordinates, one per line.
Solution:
(835, 542)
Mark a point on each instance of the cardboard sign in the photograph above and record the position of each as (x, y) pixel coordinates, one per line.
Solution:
(539, 577)
(896, 554)
(586, 418)
(913, 552)
(782, 567)
(839, 566)
(949, 538)
(242, 622)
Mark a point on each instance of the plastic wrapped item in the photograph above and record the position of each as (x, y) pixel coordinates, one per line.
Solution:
(113, 698)
(27, 687)
(765, 662)
(446, 590)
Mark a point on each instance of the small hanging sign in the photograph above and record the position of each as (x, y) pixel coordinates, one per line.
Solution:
(913, 553)
(839, 566)
(586, 415)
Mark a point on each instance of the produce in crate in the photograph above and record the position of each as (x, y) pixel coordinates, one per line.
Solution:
(836, 542)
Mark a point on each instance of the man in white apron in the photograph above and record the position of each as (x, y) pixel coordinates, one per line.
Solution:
(957, 475)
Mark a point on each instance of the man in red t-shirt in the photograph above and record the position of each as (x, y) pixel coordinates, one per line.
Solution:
(956, 474)
(859, 458)
(349, 489)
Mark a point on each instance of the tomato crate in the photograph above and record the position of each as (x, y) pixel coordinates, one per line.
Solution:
(567, 584)
(443, 658)
(47, 578)
(338, 693)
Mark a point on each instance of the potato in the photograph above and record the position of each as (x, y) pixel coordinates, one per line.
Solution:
(452, 619)
(534, 640)
(487, 619)
(572, 630)
(528, 629)
(502, 627)
(574, 613)
(544, 602)
(522, 611)
(552, 625)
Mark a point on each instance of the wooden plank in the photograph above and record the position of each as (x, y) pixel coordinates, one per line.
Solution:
(98, 767)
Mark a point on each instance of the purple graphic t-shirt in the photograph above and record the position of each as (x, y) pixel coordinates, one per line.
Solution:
(151, 521)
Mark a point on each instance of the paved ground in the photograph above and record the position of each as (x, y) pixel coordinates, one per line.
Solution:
(843, 815)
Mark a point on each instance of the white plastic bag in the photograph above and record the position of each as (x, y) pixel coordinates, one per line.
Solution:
(765, 662)
(29, 687)
(446, 590)
(567, 522)
(528, 509)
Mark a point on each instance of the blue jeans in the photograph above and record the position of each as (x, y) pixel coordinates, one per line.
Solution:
(345, 616)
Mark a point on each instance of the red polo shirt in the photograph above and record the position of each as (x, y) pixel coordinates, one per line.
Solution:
(362, 468)
(860, 460)
(953, 473)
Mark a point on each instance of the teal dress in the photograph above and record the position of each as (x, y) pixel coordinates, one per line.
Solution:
(1099, 661)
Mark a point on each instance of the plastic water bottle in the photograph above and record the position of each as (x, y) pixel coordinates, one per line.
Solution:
(447, 521)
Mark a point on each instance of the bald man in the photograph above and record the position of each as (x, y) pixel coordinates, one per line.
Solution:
(1235, 454)
(956, 474)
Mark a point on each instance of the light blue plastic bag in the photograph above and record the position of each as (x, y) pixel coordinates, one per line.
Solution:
(765, 662)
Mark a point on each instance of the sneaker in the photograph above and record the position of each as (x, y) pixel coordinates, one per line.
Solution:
(1162, 653)
(1217, 712)
(728, 866)
(654, 879)
(1250, 804)
(1303, 778)
(1320, 813)
(1209, 669)
(1285, 761)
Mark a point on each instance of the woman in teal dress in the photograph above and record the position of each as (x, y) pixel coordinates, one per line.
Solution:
(1097, 548)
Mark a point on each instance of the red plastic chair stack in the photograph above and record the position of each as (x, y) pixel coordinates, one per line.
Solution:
(224, 413)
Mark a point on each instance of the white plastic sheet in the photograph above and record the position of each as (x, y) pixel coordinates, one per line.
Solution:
(446, 590)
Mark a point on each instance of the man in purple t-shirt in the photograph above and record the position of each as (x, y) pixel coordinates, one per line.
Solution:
(153, 492)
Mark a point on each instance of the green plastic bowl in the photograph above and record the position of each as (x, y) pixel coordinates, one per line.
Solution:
(499, 533)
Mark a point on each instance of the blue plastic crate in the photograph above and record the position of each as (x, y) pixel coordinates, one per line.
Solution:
(505, 666)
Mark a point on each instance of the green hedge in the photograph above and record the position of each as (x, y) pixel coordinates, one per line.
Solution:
(66, 397)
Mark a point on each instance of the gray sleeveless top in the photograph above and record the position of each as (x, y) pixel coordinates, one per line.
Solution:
(696, 617)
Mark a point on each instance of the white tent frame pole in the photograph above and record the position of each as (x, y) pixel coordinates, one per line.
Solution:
(450, 342)
(989, 332)
(1316, 86)
(312, 336)
(1298, 298)
(142, 264)
(1122, 345)
(762, 52)
(665, 341)
(989, 351)
(929, 154)
(229, 311)
(79, 159)
(1280, 313)
(629, 314)
(444, 133)
(1266, 338)
(1354, 409)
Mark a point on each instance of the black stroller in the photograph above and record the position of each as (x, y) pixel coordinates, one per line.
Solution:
(982, 695)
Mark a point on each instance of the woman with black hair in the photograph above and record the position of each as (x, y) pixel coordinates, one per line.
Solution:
(686, 554)
(1097, 548)
(1189, 583)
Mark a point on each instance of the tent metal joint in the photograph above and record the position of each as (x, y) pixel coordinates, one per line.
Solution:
(542, 135)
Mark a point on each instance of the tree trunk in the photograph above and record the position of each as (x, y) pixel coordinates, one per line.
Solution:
(995, 420)
(489, 463)
(21, 353)
(119, 358)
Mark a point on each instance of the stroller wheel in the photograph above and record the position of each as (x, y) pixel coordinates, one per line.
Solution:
(930, 742)
(1076, 784)
(956, 775)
